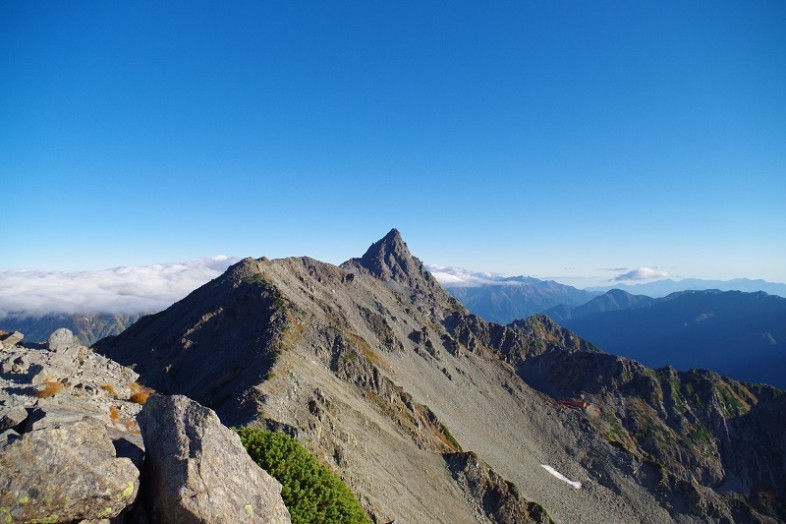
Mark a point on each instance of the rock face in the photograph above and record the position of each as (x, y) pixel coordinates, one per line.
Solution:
(64, 473)
(62, 338)
(12, 417)
(498, 499)
(388, 259)
(11, 340)
(197, 471)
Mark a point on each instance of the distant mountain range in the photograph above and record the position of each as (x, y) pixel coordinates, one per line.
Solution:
(513, 298)
(742, 335)
(661, 288)
(88, 327)
(505, 299)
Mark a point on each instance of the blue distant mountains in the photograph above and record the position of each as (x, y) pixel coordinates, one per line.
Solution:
(661, 288)
(738, 333)
(741, 335)
(505, 299)
(511, 298)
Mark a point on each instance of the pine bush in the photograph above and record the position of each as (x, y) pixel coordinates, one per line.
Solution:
(312, 492)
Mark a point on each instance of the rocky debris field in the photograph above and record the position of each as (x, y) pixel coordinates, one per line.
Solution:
(77, 445)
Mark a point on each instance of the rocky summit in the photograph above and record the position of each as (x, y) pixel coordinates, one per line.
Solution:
(431, 414)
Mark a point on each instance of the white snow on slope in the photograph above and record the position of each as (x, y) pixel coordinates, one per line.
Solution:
(576, 484)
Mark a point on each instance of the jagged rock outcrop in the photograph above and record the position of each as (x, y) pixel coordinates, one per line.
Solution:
(389, 260)
(495, 497)
(197, 471)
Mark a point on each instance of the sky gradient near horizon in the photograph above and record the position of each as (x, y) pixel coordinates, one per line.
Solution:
(578, 141)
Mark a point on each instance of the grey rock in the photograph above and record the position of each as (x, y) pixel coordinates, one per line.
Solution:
(62, 411)
(8, 436)
(15, 365)
(20, 365)
(196, 470)
(499, 499)
(12, 340)
(12, 417)
(62, 339)
(67, 473)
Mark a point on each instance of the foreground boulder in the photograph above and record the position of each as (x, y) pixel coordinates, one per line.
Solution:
(197, 471)
(62, 339)
(64, 473)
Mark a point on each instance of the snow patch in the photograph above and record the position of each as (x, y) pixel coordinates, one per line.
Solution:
(576, 484)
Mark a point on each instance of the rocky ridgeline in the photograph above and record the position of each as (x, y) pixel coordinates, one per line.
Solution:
(76, 445)
(385, 377)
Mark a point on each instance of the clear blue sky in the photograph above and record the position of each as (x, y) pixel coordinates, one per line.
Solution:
(546, 138)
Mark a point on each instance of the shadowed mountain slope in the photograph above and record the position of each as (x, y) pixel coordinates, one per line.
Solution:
(742, 335)
(613, 300)
(431, 414)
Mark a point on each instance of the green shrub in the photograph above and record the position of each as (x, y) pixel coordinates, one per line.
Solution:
(450, 437)
(312, 492)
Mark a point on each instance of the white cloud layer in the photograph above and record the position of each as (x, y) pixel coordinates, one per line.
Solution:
(139, 289)
(459, 277)
(642, 273)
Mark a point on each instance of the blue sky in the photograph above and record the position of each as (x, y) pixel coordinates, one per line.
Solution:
(578, 140)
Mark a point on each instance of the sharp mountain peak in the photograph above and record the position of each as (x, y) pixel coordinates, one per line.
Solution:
(389, 253)
(390, 260)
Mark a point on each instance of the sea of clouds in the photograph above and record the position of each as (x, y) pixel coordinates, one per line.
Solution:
(460, 277)
(450, 276)
(149, 289)
(131, 290)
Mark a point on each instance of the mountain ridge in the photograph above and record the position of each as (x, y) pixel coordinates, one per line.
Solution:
(612, 300)
(664, 287)
(515, 298)
(382, 378)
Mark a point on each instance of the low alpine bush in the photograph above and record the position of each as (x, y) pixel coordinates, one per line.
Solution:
(311, 491)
